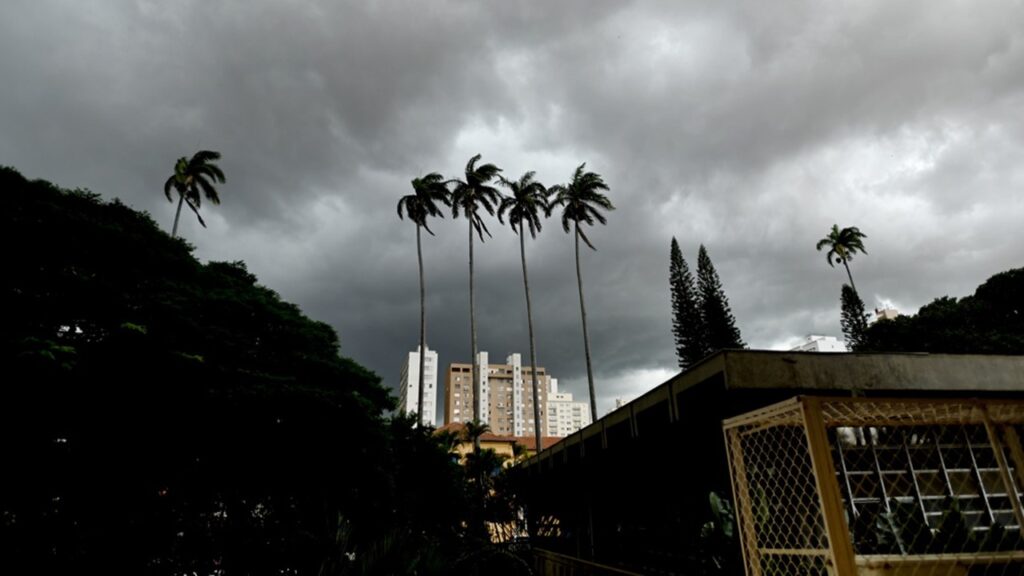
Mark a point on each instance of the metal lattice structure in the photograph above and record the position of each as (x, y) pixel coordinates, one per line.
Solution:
(845, 486)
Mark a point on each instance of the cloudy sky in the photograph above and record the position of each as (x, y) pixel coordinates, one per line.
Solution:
(750, 127)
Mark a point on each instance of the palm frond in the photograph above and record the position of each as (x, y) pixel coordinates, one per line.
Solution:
(586, 240)
(195, 209)
(167, 187)
(208, 190)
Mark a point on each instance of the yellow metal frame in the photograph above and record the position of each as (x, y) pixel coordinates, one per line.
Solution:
(816, 415)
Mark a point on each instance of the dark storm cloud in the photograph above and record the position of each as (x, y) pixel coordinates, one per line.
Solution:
(748, 126)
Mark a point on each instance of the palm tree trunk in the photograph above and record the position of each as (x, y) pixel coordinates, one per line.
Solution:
(586, 339)
(848, 275)
(533, 348)
(474, 374)
(177, 214)
(423, 333)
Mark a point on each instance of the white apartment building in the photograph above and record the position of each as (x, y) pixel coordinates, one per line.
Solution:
(408, 388)
(564, 415)
(819, 343)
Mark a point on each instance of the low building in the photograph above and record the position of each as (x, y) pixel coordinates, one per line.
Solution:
(504, 446)
(819, 343)
(637, 489)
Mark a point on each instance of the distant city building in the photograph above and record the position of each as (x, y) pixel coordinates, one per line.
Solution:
(886, 314)
(564, 415)
(506, 395)
(506, 399)
(819, 343)
(408, 388)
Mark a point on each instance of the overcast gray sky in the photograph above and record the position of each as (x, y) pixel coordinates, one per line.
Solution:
(750, 127)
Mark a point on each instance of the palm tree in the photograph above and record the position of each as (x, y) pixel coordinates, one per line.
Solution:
(843, 244)
(470, 195)
(191, 176)
(473, 430)
(529, 198)
(582, 201)
(428, 192)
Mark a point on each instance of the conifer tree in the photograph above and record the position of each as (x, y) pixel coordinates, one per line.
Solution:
(720, 329)
(854, 319)
(687, 326)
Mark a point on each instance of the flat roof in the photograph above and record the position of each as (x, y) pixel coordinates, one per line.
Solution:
(832, 372)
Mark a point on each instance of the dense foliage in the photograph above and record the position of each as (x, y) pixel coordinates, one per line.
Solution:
(687, 326)
(720, 331)
(989, 322)
(164, 416)
(852, 319)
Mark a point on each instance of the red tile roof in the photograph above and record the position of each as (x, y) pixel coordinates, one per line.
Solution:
(528, 442)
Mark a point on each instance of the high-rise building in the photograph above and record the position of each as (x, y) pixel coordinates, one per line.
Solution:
(408, 389)
(564, 415)
(506, 395)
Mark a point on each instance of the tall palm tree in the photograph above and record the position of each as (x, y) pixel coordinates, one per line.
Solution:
(428, 192)
(843, 244)
(469, 195)
(529, 198)
(582, 202)
(190, 176)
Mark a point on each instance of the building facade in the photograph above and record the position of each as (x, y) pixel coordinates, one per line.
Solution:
(819, 343)
(506, 395)
(506, 399)
(564, 415)
(408, 389)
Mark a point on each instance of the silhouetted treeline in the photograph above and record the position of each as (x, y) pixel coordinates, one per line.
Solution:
(162, 416)
(989, 322)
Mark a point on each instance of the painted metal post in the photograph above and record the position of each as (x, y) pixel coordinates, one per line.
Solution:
(840, 546)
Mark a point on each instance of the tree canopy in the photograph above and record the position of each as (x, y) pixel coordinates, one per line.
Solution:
(853, 319)
(687, 326)
(164, 416)
(991, 321)
(719, 324)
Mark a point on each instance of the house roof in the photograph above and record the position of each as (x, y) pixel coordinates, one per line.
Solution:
(528, 442)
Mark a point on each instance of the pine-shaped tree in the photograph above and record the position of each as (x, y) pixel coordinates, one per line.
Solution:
(687, 326)
(854, 319)
(720, 331)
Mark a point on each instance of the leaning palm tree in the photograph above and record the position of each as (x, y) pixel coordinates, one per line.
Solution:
(529, 198)
(428, 192)
(843, 244)
(191, 176)
(469, 195)
(582, 202)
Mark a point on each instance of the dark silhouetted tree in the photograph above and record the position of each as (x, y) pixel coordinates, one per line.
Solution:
(190, 177)
(991, 321)
(470, 195)
(687, 326)
(163, 415)
(528, 201)
(429, 192)
(720, 331)
(582, 201)
(854, 319)
(843, 244)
